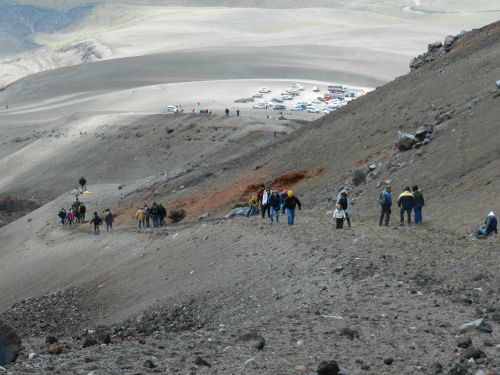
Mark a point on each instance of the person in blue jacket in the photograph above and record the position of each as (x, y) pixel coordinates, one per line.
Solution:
(490, 226)
(385, 202)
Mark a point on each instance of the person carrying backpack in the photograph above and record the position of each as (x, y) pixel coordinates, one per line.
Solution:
(290, 203)
(162, 214)
(405, 203)
(70, 216)
(418, 204)
(385, 202)
(96, 220)
(62, 215)
(81, 211)
(490, 226)
(274, 206)
(109, 219)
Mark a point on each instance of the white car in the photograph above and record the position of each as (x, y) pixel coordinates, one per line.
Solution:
(298, 86)
(312, 110)
(257, 95)
(315, 89)
(315, 101)
(260, 106)
(264, 90)
(296, 108)
(240, 100)
(287, 97)
(171, 108)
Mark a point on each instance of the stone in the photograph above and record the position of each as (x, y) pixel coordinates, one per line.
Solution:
(89, 341)
(10, 344)
(302, 368)
(31, 355)
(358, 176)
(388, 361)
(348, 332)
(436, 368)
(177, 215)
(464, 344)
(204, 216)
(497, 84)
(201, 362)
(149, 364)
(260, 342)
(473, 352)
(238, 211)
(50, 339)
(405, 141)
(479, 324)
(372, 166)
(328, 368)
(458, 369)
(370, 177)
(448, 42)
(431, 47)
(55, 348)
(423, 132)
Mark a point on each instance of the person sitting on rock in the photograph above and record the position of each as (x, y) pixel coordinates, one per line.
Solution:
(253, 203)
(490, 226)
(405, 203)
(339, 216)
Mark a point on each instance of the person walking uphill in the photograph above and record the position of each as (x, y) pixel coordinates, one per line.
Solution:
(274, 204)
(339, 215)
(385, 202)
(346, 206)
(418, 204)
(290, 203)
(96, 220)
(265, 203)
(109, 219)
(406, 203)
(490, 226)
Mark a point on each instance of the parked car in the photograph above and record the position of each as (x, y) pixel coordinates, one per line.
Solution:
(312, 110)
(260, 106)
(287, 97)
(315, 89)
(171, 108)
(297, 108)
(264, 90)
(257, 95)
(240, 100)
(279, 107)
(277, 100)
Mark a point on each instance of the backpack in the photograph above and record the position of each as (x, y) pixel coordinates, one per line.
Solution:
(381, 199)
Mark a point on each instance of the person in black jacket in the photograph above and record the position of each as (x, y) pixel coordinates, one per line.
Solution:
(274, 204)
(290, 203)
(96, 220)
(83, 184)
(162, 214)
(109, 219)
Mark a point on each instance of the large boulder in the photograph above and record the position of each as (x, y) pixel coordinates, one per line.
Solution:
(10, 344)
(177, 215)
(424, 132)
(238, 211)
(358, 176)
(448, 42)
(405, 141)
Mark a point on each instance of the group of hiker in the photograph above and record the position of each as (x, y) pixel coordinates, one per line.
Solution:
(76, 214)
(408, 201)
(273, 202)
(154, 215)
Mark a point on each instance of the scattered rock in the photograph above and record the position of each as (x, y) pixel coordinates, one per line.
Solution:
(56, 349)
(436, 368)
(238, 211)
(370, 177)
(328, 368)
(479, 324)
(465, 343)
(201, 362)
(302, 368)
(405, 141)
(89, 341)
(204, 216)
(358, 176)
(50, 339)
(10, 344)
(458, 369)
(388, 361)
(149, 364)
(350, 333)
(177, 215)
(473, 352)
(423, 132)
(448, 42)
(260, 342)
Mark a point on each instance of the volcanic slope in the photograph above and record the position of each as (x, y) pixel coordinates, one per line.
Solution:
(383, 300)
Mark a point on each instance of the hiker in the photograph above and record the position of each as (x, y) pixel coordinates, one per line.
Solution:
(418, 204)
(339, 216)
(70, 216)
(290, 203)
(253, 203)
(405, 203)
(83, 184)
(96, 220)
(385, 202)
(140, 215)
(283, 197)
(227, 112)
(274, 206)
(81, 212)
(109, 219)
(264, 206)
(238, 113)
(74, 208)
(490, 226)
(155, 214)
(147, 215)
(345, 203)
(62, 215)
(162, 213)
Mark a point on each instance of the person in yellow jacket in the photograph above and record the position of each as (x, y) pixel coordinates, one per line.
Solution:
(140, 215)
(406, 202)
(253, 203)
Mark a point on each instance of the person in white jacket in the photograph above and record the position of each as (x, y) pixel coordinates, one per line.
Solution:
(339, 216)
(265, 203)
